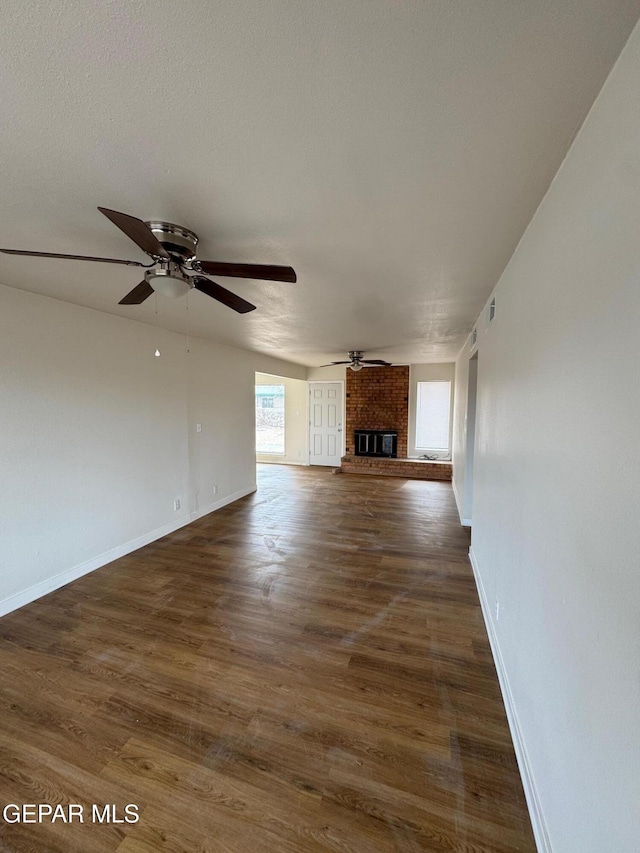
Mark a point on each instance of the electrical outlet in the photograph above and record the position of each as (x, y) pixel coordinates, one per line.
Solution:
(176, 504)
(215, 490)
(198, 427)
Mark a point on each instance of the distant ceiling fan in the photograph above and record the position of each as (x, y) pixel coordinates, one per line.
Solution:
(173, 250)
(357, 362)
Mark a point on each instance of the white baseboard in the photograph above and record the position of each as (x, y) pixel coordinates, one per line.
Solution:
(26, 596)
(465, 522)
(528, 782)
(212, 507)
(261, 461)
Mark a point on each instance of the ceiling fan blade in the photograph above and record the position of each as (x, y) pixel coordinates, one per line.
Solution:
(258, 271)
(72, 257)
(377, 361)
(137, 231)
(332, 363)
(216, 291)
(139, 293)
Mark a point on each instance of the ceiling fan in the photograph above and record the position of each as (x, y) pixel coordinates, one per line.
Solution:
(357, 362)
(173, 252)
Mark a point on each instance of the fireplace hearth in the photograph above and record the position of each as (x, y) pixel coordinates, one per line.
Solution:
(376, 442)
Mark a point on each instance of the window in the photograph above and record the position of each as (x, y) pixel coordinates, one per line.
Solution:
(432, 416)
(270, 419)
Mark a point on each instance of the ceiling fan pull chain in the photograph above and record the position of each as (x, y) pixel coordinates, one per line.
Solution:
(157, 352)
(188, 338)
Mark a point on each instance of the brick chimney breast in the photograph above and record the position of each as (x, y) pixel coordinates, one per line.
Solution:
(377, 398)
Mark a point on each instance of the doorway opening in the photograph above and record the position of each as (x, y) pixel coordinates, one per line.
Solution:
(472, 397)
(281, 419)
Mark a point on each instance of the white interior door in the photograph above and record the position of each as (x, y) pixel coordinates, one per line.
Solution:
(325, 423)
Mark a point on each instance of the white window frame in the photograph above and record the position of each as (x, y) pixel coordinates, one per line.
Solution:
(434, 449)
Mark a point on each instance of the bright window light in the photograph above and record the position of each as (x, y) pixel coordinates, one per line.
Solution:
(432, 416)
(270, 419)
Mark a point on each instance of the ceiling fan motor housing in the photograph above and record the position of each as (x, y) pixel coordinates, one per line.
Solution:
(178, 241)
(356, 355)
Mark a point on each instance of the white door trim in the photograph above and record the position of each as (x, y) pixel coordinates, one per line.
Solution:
(342, 382)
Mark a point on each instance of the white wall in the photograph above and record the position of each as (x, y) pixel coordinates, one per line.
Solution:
(296, 420)
(327, 374)
(557, 484)
(427, 373)
(98, 437)
(464, 430)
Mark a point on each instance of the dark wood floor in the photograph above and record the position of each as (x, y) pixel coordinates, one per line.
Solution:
(304, 670)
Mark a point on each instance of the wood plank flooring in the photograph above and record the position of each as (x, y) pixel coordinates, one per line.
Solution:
(305, 670)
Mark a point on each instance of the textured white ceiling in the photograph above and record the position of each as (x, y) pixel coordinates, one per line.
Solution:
(393, 152)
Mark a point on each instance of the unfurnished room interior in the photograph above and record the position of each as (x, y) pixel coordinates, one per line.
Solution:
(319, 422)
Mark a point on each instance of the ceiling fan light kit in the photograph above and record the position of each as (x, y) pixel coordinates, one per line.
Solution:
(172, 249)
(168, 279)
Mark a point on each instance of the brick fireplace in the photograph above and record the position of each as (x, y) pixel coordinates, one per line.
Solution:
(378, 399)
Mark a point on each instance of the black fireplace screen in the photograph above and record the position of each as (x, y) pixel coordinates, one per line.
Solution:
(376, 442)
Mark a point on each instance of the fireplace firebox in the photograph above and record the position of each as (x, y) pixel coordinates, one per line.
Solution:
(376, 442)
